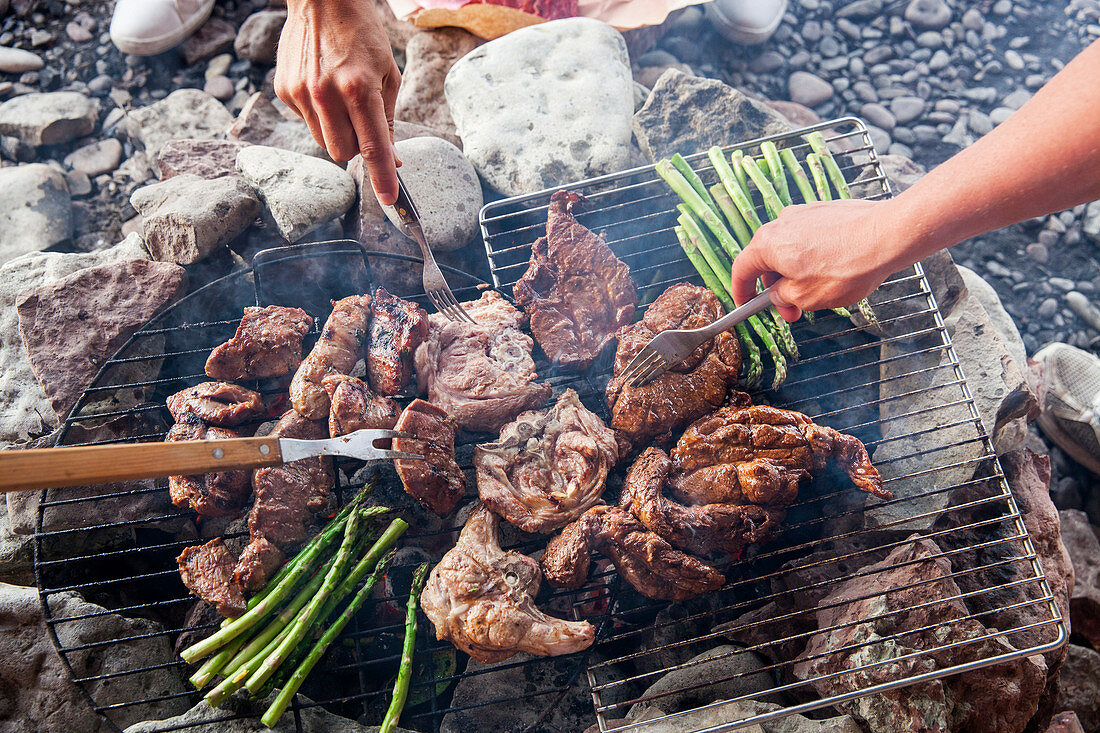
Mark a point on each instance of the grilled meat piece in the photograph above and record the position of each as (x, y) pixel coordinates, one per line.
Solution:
(481, 599)
(353, 406)
(701, 530)
(211, 494)
(290, 496)
(336, 351)
(690, 389)
(268, 343)
(548, 467)
(258, 562)
(207, 571)
(576, 293)
(436, 482)
(652, 566)
(481, 373)
(758, 481)
(397, 328)
(788, 439)
(217, 403)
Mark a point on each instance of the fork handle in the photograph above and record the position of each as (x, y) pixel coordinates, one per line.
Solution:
(741, 313)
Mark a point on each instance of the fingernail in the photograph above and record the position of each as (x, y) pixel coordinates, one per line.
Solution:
(386, 199)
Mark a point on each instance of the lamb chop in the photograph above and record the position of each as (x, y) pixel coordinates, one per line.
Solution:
(268, 343)
(575, 291)
(353, 406)
(213, 494)
(436, 481)
(397, 328)
(217, 403)
(336, 351)
(482, 373)
(690, 389)
(548, 467)
(481, 599)
(207, 571)
(736, 434)
(701, 530)
(652, 566)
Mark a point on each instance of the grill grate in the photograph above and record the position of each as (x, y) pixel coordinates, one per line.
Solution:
(903, 394)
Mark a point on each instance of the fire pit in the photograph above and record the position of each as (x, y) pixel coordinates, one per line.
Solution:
(849, 600)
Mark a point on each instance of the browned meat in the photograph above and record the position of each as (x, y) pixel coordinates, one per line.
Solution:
(652, 566)
(353, 406)
(336, 351)
(258, 562)
(397, 328)
(758, 481)
(548, 467)
(482, 374)
(436, 482)
(268, 343)
(207, 571)
(701, 530)
(690, 389)
(787, 439)
(575, 291)
(211, 494)
(217, 403)
(481, 599)
(290, 496)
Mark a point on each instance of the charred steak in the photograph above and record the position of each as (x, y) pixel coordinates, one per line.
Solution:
(576, 293)
(217, 403)
(436, 482)
(481, 599)
(268, 343)
(207, 571)
(397, 328)
(257, 563)
(212, 494)
(548, 467)
(353, 406)
(336, 351)
(482, 373)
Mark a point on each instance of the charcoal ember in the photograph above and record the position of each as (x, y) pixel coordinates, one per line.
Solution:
(1081, 542)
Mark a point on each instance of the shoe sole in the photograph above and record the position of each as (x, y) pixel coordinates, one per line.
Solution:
(1053, 430)
(743, 36)
(160, 44)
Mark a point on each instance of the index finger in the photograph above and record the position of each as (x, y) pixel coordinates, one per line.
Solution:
(747, 267)
(372, 128)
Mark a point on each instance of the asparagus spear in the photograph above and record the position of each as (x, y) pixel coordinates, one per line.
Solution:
(754, 365)
(719, 265)
(286, 694)
(771, 199)
(695, 202)
(817, 170)
(775, 170)
(693, 178)
(731, 181)
(798, 174)
(738, 172)
(817, 142)
(404, 672)
(732, 215)
(215, 665)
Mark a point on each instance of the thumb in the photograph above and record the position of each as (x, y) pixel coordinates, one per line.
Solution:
(781, 299)
(748, 266)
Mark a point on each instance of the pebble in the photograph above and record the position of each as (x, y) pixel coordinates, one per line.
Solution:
(40, 37)
(1062, 283)
(906, 109)
(1085, 310)
(1048, 238)
(16, 60)
(1038, 252)
(928, 14)
(940, 60)
(1000, 114)
(830, 47)
(878, 54)
(1014, 60)
(930, 39)
(980, 123)
(808, 89)
(100, 157)
(1047, 308)
(997, 269)
(878, 115)
(219, 87)
(1002, 7)
(78, 182)
(766, 62)
(219, 65)
(811, 31)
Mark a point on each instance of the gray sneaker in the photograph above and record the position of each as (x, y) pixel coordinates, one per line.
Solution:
(1071, 408)
(747, 22)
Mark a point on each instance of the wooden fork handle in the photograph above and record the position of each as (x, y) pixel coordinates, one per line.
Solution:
(44, 468)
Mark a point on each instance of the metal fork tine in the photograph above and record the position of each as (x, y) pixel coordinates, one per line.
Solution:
(637, 361)
(651, 373)
(456, 306)
(633, 370)
(399, 455)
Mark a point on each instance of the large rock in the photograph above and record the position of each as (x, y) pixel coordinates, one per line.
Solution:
(48, 119)
(35, 210)
(716, 716)
(544, 105)
(214, 37)
(900, 171)
(240, 714)
(680, 114)
(998, 316)
(203, 158)
(718, 674)
(1081, 542)
(25, 412)
(428, 57)
(300, 191)
(39, 694)
(187, 217)
(72, 326)
(1077, 686)
(261, 123)
(259, 35)
(185, 114)
(408, 130)
(16, 552)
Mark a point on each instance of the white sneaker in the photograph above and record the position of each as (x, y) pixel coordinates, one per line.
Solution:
(1071, 408)
(149, 27)
(748, 22)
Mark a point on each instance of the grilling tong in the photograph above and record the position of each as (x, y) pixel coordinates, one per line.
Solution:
(44, 468)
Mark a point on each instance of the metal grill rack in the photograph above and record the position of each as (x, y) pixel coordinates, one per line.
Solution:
(901, 392)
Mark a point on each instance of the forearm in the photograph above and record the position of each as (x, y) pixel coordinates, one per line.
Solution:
(1044, 158)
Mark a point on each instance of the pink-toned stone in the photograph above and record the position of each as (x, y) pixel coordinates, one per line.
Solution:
(1083, 546)
(428, 57)
(259, 35)
(214, 37)
(1066, 722)
(204, 158)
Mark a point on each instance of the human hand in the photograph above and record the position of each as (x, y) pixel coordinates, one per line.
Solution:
(831, 254)
(335, 68)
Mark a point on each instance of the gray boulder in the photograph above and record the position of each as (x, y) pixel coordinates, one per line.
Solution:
(680, 114)
(16, 552)
(48, 118)
(261, 123)
(724, 672)
(1077, 689)
(544, 105)
(184, 114)
(259, 35)
(203, 158)
(300, 191)
(428, 57)
(187, 217)
(645, 719)
(35, 210)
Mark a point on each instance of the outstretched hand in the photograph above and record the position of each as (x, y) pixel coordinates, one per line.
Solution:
(335, 68)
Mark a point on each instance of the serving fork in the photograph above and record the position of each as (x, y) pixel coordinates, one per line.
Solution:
(435, 285)
(670, 347)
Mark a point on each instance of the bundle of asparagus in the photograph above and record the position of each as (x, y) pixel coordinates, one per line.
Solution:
(286, 628)
(715, 224)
